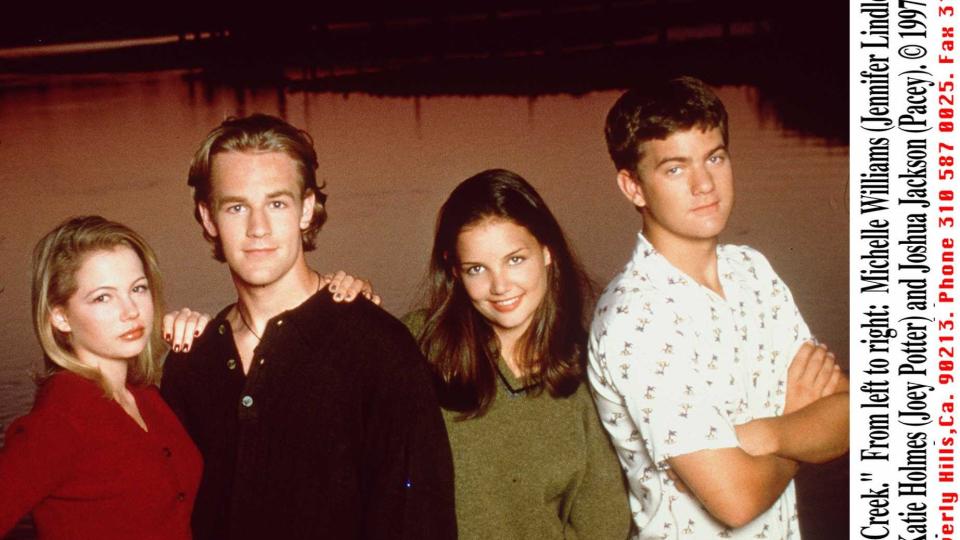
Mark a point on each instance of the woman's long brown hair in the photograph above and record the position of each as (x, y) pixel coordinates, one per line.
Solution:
(459, 342)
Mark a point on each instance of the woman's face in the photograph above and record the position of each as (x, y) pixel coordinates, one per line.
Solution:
(110, 316)
(504, 271)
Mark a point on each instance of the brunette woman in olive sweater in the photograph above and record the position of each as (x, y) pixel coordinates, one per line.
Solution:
(503, 332)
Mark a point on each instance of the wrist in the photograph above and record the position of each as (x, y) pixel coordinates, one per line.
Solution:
(759, 437)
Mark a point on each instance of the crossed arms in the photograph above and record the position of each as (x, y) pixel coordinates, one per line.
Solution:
(737, 484)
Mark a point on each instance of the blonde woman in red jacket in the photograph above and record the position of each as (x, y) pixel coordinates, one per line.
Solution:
(100, 455)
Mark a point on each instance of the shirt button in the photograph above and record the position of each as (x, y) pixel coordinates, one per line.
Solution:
(167, 452)
(247, 401)
(222, 329)
(231, 364)
(181, 496)
(280, 322)
(262, 360)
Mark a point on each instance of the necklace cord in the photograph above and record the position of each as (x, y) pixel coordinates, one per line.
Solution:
(249, 327)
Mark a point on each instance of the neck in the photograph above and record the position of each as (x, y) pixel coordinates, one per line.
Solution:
(508, 340)
(696, 258)
(261, 303)
(114, 372)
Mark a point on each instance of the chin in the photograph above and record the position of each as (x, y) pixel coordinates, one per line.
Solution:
(258, 277)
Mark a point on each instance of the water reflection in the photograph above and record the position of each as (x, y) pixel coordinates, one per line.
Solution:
(120, 146)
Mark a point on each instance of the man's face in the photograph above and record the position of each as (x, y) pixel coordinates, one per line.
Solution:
(685, 187)
(257, 213)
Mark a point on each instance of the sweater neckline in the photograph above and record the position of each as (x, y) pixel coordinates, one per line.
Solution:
(510, 382)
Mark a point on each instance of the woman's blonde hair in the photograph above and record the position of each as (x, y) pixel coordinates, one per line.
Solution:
(56, 259)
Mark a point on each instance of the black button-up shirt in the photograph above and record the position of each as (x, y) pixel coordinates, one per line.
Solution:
(335, 432)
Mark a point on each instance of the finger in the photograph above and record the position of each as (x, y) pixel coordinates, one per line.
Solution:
(826, 371)
(167, 326)
(799, 364)
(375, 298)
(179, 327)
(367, 288)
(833, 383)
(814, 364)
(202, 324)
(192, 328)
(348, 288)
(822, 379)
(335, 282)
(343, 289)
(356, 287)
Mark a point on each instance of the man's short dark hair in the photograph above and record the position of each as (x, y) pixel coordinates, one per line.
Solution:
(656, 111)
(258, 133)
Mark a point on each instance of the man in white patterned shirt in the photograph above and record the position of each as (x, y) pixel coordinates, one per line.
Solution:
(704, 372)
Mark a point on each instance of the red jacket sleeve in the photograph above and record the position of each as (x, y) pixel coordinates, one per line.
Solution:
(37, 456)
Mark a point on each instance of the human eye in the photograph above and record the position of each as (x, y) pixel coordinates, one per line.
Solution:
(674, 170)
(473, 270)
(101, 298)
(516, 259)
(141, 288)
(278, 205)
(234, 208)
(717, 158)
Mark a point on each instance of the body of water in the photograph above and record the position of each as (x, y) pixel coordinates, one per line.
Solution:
(120, 146)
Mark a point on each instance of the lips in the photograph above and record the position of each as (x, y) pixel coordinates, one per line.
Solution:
(259, 251)
(133, 335)
(707, 208)
(508, 305)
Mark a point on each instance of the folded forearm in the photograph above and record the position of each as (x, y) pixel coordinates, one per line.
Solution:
(816, 433)
(732, 485)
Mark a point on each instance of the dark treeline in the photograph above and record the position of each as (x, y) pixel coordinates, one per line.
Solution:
(797, 59)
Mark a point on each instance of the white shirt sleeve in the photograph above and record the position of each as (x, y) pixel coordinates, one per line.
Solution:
(644, 356)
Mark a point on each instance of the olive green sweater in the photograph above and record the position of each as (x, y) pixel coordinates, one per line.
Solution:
(535, 467)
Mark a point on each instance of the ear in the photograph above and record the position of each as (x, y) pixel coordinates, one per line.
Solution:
(58, 318)
(207, 216)
(630, 187)
(306, 213)
(547, 259)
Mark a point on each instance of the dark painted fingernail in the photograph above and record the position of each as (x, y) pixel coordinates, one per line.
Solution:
(176, 348)
(186, 348)
(196, 333)
(166, 337)
(333, 288)
(338, 297)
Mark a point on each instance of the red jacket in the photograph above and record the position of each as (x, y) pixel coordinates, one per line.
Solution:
(87, 470)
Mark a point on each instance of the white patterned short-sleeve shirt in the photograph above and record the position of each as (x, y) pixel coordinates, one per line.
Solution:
(675, 366)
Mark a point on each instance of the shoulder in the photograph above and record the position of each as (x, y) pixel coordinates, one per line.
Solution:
(364, 319)
(745, 258)
(63, 402)
(179, 363)
(629, 305)
(66, 390)
(583, 397)
(360, 328)
(414, 321)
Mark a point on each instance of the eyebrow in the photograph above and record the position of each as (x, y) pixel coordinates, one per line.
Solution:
(99, 289)
(507, 256)
(712, 151)
(111, 288)
(231, 199)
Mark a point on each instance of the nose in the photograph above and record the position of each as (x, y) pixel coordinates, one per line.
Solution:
(701, 181)
(499, 283)
(129, 307)
(258, 225)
